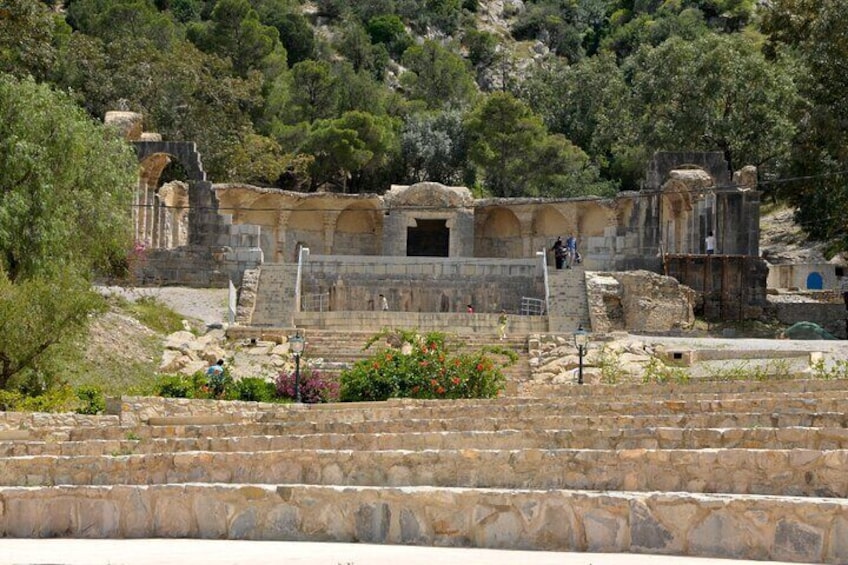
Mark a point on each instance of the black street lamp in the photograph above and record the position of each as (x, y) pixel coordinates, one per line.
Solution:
(296, 345)
(581, 340)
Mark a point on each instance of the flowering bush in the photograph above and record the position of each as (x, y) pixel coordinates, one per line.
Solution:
(421, 367)
(314, 386)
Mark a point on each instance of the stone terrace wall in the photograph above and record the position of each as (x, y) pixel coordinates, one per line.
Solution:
(423, 284)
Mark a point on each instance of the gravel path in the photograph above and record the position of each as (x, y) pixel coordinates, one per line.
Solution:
(208, 305)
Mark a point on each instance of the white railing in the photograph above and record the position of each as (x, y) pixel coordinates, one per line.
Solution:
(532, 306)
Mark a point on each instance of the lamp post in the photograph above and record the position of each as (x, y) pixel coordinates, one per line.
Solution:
(581, 340)
(296, 345)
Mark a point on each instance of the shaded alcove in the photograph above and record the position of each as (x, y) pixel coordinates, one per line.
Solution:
(428, 238)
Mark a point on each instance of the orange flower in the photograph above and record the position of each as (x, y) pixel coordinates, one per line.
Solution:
(455, 380)
(440, 390)
(479, 367)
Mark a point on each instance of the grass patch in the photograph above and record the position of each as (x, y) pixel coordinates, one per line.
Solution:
(155, 315)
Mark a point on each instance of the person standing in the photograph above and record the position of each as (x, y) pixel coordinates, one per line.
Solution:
(570, 250)
(502, 323)
(469, 309)
(559, 253)
(710, 243)
(384, 303)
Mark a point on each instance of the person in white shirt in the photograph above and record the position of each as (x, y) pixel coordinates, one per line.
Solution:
(710, 242)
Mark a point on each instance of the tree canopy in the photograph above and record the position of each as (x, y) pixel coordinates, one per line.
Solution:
(262, 84)
(65, 186)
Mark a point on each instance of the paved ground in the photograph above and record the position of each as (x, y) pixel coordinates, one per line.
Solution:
(215, 552)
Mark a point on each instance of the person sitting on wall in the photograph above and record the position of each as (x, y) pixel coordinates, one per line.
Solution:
(559, 252)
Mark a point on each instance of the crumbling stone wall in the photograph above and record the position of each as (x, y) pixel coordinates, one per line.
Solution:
(639, 301)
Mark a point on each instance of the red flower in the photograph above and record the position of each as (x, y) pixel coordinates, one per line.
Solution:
(440, 390)
(455, 380)
(479, 367)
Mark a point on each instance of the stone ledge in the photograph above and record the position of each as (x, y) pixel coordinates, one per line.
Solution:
(721, 526)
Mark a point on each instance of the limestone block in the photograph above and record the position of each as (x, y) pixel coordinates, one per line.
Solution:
(180, 340)
(128, 124)
(172, 361)
(150, 136)
(794, 541)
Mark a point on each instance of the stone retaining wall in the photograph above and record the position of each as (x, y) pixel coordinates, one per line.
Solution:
(723, 526)
(740, 471)
(258, 438)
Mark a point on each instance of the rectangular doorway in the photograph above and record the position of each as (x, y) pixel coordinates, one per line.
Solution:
(429, 238)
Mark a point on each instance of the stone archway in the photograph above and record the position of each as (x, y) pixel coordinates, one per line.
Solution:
(162, 212)
(500, 234)
(358, 230)
(678, 234)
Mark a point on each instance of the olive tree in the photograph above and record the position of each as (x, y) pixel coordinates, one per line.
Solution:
(65, 184)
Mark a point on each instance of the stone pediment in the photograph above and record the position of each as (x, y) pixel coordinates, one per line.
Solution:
(428, 194)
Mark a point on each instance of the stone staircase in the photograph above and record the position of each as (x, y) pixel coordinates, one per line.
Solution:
(567, 303)
(746, 470)
(275, 300)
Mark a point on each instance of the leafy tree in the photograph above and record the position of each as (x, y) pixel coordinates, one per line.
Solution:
(715, 93)
(349, 148)
(518, 156)
(434, 147)
(314, 91)
(65, 185)
(183, 93)
(815, 32)
(26, 33)
(389, 30)
(295, 34)
(588, 104)
(437, 76)
(235, 31)
(355, 44)
(113, 20)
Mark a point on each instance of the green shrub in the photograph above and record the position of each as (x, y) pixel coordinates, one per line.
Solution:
(175, 386)
(255, 389)
(315, 387)
(422, 367)
(92, 399)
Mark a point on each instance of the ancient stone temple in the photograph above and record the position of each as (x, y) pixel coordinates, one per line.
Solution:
(435, 248)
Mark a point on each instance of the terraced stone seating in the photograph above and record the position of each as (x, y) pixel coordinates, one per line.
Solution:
(738, 470)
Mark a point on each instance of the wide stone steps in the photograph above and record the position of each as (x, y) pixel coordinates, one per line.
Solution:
(729, 526)
(589, 438)
(736, 470)
(796, 472)
(577, 423)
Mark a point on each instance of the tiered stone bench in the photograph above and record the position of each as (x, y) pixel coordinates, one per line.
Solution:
(737, 470)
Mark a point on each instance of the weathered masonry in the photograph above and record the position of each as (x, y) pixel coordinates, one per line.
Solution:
(203, 234)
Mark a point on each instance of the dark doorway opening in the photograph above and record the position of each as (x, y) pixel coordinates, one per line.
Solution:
(430, 238)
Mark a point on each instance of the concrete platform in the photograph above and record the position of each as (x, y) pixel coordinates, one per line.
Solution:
(226, 552)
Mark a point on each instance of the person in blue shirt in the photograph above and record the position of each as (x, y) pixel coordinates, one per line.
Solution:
(571, 250)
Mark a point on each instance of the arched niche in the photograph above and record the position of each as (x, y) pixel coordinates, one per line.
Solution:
(160, 210)
(676, 208)
(593, 220)
(358, 230)
(500, 234)
(306, 225)
(548, 223)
